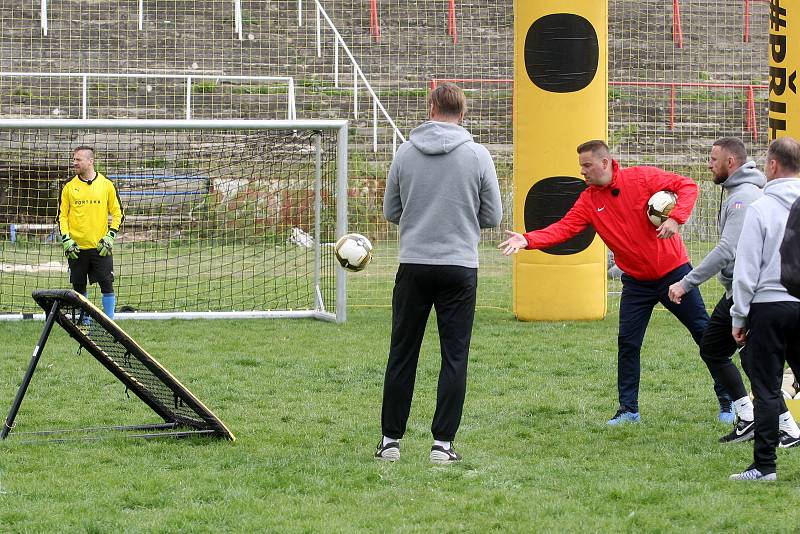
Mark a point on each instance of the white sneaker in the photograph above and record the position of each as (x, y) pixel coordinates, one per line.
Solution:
(754, 474)
(389, 452)
(440, 455)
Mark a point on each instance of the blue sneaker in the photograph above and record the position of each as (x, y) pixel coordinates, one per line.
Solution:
(726, 413)
(623, 417)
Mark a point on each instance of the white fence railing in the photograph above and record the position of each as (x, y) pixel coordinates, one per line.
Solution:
(357, 74)
(378, 109)
(189, 79)
(237, 17)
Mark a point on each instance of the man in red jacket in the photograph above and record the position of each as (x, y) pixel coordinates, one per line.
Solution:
(615, 204)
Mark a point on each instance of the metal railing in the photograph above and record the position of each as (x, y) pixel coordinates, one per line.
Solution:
(237, 17)
(751, 119)
(677, 31)
(377, 106)
(291, 111)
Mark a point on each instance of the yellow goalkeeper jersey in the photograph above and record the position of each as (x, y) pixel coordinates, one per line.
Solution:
(85, 207)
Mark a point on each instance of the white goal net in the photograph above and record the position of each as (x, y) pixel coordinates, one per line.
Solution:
(222, 218)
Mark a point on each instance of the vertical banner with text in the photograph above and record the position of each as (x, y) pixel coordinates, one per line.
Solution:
(784, 62)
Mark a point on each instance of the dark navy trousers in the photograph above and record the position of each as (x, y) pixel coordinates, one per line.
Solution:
(636, 306)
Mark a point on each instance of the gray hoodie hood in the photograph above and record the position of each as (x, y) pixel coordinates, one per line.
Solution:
(438, 137)
(784, 191)
(742, 188)
(748, 173)
(757, 273)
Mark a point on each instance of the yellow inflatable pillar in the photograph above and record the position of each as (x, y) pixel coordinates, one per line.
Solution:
(561, 88)
(784, 62)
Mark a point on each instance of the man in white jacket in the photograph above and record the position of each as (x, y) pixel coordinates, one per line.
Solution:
(764, 315)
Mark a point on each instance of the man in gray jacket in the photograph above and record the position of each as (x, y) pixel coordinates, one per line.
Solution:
(741, 183)
(764, 314)
(441, 190)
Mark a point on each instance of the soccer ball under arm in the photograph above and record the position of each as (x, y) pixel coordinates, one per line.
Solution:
(660, 206)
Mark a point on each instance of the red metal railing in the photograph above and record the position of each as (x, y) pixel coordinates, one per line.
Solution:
(752, 123)
(746, 36)
(677, 33)
(749, 89)
(451, 21)
(374, 22)
(452, 29)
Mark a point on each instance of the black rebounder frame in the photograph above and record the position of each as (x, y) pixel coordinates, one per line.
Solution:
(179, 409)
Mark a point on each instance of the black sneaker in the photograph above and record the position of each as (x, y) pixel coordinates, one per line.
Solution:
(743, 430)
(389, 452)
(440, 455)
(785, 441)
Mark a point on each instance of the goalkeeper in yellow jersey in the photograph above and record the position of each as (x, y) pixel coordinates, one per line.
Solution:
(87, 200)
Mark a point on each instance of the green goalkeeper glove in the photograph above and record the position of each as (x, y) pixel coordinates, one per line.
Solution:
(70, 247)
(106, 243)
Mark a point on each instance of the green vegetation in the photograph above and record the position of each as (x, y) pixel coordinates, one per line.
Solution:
(305, 407)
(626, 131)
(332, 91)
(309, 82)
(204, 86)
(22, 91)
(713, 95)
(411, 93)
(321, 87)
(260, 90)
(154, 163)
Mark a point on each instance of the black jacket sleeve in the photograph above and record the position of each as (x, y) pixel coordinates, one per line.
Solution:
(790, 252)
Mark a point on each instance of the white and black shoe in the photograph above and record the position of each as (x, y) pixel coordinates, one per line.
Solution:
(440, 455)
(743, 430)
(389, 452)
(751, 473)
(786, 441)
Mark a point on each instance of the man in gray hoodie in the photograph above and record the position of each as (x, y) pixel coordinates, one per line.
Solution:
(764, 315)
(741, 185)
(441, 190)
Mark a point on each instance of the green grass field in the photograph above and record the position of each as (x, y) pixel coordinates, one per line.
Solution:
(303, 399)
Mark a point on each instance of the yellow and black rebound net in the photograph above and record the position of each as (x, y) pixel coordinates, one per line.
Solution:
(183, 413)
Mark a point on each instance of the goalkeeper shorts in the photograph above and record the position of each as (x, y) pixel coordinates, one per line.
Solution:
(98, 269)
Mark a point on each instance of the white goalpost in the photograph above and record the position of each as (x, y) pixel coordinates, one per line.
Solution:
(223, 218)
